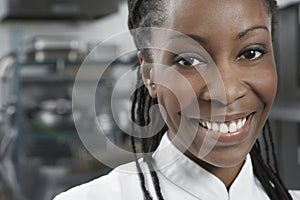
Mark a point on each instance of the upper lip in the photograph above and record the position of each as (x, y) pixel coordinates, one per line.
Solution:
(227, 117)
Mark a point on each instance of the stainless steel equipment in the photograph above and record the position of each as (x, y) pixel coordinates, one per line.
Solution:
(58, 9)
(50, 48)
(54, 113)
(8, 133)
(285, 113)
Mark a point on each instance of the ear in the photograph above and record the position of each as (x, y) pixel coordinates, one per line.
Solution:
(147, 75)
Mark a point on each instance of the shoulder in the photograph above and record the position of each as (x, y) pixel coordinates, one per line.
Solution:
(116, 185)
(295, 194)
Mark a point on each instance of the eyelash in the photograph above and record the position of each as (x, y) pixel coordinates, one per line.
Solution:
(261, 50)
(186, 57)
(201, 61)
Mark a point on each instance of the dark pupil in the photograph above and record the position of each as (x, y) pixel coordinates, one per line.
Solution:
(249, 54)
(187, 61)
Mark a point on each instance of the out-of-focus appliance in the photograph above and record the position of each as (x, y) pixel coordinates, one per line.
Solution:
(288, 51)
(50, 48)
(9, 185)
(58, 9)
(285, 113)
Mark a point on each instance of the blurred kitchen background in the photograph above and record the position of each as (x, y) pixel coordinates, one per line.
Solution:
(44, 42)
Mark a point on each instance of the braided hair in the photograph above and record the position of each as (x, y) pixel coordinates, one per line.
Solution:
(152, 13)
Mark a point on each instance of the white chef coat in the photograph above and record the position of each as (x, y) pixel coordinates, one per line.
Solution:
(180, 179)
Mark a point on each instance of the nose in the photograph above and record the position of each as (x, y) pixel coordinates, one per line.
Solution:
(225, 86)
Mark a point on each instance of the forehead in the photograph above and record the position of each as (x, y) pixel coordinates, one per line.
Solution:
(209, 17)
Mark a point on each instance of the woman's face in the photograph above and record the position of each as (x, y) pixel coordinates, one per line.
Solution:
(234, 86)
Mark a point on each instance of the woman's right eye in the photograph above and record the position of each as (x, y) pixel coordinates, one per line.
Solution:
(189, 61)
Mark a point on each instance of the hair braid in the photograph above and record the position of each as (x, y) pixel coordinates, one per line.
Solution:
(146, 193)
(272, 147)
(268, 177)
(135, 98)
(266, 146)
(148, 156)
(154, 177)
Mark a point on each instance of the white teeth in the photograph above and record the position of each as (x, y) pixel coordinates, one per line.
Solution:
(215, 126)
(208, 125)
(230, 127)
(239, 124)
(223, 128)
(244, 121)
(203, 123)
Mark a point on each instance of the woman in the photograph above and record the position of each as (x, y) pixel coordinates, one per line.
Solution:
(214, 79)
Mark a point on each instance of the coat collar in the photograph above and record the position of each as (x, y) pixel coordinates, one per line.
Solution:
(192, 178)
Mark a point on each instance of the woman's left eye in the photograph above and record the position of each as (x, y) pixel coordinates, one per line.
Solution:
(252, 54)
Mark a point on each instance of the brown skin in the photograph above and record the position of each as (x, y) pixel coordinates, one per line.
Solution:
(249, 84)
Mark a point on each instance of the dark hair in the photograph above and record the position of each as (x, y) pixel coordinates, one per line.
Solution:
(152, 13)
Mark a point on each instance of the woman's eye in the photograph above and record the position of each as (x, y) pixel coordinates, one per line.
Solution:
(252, 54)
(189, 61)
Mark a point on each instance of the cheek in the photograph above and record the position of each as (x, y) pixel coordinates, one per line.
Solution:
(169, 108)
(264, 84)
(168, 100)
(177, 91)
(180, 96)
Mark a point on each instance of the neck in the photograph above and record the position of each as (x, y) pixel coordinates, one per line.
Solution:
(226, 175)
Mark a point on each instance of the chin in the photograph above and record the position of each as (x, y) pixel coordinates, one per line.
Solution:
(223, 155)
(226, 160)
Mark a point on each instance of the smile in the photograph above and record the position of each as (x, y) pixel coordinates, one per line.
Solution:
(233, 129)
(224, 127)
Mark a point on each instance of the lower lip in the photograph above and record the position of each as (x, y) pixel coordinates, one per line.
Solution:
(230, 138)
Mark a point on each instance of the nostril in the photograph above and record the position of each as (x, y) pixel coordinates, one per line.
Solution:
(214, 98)
(217, 103)
(223, 100)
(225, 91)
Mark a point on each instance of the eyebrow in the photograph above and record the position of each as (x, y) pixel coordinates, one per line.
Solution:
(197, 38)
(202, 40)
(243, 33)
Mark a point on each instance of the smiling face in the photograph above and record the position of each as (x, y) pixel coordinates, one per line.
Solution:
(233, 82)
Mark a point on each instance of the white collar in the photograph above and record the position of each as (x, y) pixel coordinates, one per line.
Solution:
(191, 177)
